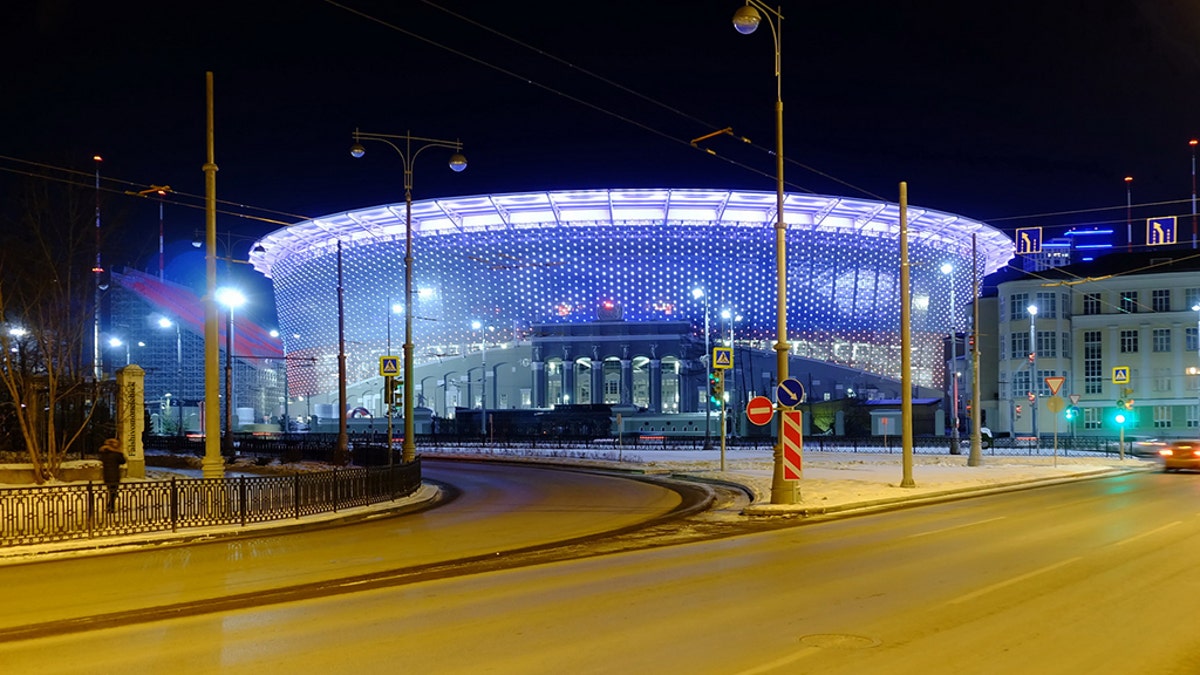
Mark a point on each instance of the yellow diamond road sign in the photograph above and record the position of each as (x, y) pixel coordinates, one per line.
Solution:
(722, 358)
(389, 365)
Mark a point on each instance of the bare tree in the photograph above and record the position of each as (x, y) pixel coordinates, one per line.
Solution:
(46, 305)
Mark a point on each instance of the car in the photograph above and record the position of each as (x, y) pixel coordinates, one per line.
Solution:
(1145, 447)
(1178, 455)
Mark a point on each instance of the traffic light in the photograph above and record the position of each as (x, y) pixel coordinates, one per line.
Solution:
(1071, 412)
(971, 342)
(1018, 410)
(716, 386)
(1032, 396)
(1124, 404)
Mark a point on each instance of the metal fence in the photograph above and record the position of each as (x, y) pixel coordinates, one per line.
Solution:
(48, 513)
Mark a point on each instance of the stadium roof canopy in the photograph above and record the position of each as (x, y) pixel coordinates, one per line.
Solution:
(719, 208)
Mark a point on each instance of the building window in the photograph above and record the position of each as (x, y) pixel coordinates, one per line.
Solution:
(1066, 305)
(1129, 302)
(1066, 345)
(1091, 303)
(1091, 418)
(1047, 304)
(1047, 344)
(1020, 385)
(1160, 300)
(1193, 416)
(1043, 389)
(1191, 298)
(1020, 346)
(1190, 339)
(1129, 341)
(1018, 306)
(1162, 380)
(1162, 417)
(1093, 362)
(1162, 339)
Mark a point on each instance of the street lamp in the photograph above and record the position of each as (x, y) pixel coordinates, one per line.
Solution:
(1033, 386)
(475, 325)
(164, 322)
(232, 298)
(116, 342)
(1196, 308)
(408, 156)
(698, 293)
(948, 270)
(1128, 214)
(1193, 143)
(746, 20)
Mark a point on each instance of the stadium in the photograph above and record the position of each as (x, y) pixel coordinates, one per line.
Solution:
(497, 272)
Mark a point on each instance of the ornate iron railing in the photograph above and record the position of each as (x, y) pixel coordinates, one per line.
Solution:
(48, 513)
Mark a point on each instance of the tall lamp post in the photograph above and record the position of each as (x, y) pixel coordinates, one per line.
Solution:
(746, 20)
(698, 293)
(475, 325)
(1128, 213)
(1196, 308)
(1033, 386)
(408, 156)
(948, 270)
(164, 322)
(1193, 143)
(232, 299)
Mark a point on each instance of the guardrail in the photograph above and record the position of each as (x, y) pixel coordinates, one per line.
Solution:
(48, 513)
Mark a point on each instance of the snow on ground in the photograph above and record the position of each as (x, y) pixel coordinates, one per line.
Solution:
(831, 480)
(836, 479)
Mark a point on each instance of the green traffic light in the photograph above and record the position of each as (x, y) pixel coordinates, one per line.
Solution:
(1119, 419)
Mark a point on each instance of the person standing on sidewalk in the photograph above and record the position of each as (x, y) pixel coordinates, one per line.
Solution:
(112, 458)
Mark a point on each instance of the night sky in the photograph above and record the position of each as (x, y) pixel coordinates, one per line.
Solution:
(1000, 111)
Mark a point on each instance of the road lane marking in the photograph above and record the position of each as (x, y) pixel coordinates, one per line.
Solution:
(955, 527)
(780, 662)
(1014, 580)
(1147, 533)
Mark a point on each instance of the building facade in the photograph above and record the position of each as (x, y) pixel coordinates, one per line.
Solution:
(1121, 331)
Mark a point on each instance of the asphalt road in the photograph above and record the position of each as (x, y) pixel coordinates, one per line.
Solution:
(500, 508)
(1085, 577)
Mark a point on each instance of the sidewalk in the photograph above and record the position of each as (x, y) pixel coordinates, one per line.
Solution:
(831, 483)
(834, 481)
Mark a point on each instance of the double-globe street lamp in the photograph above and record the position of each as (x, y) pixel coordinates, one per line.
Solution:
(746, 20)
(408, 156)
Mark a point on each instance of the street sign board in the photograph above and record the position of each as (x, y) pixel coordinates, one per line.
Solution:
(722, 358)
(1160, 231)
(1120, 374)
(1055, 383)
(389, 366)
(1074, 399)
(759, 410)
(1055, 404)
(789, 392)
(1029, 240)
(793, 443)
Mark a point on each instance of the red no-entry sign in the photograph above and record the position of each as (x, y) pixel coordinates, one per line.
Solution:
(759, 410)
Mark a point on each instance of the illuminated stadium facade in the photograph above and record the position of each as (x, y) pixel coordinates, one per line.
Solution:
(516, 261)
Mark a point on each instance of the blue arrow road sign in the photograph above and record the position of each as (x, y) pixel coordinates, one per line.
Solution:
(789, 392)
(1160, 231)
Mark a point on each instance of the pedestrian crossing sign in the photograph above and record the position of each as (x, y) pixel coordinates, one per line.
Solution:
(389, 366)
(722, 358)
